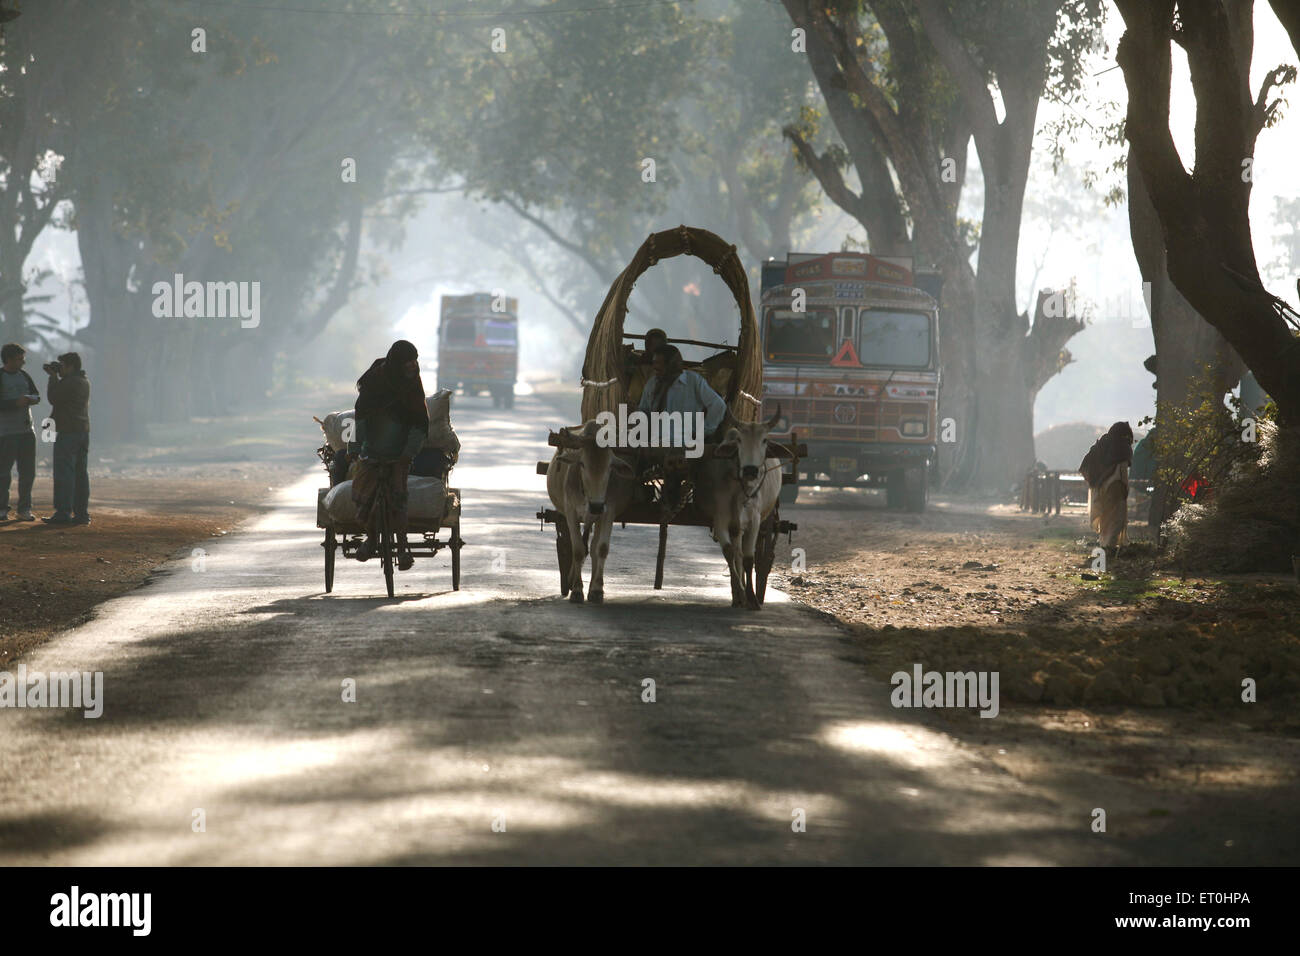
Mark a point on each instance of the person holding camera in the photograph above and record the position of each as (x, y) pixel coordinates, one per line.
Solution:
(69, 391)
(17, 440)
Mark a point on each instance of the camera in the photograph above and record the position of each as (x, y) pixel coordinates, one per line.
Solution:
(52, 368)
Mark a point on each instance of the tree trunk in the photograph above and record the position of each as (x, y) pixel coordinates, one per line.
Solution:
(1204, 215)
(1004, 403)
(105, 260)
(12, 313)
(1187, 347)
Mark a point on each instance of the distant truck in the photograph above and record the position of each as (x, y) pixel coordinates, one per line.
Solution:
(851, 354)
(478, 345)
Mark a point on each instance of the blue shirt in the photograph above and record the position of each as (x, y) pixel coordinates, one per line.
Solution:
(690, 393)
(15, 420)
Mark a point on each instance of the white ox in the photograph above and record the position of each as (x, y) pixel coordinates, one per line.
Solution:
(738, 487)
(589, 486)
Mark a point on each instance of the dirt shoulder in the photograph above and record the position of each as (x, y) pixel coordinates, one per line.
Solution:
(1126, 682)
(151, 501)
(983, 586)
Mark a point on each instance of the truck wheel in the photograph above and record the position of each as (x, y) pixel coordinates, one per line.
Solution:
(894, 491)
(916, 489)
(789, 494)
(509, 399)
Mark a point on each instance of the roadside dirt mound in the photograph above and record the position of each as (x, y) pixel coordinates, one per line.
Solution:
(1253, 521)
(968, 586)
(1203, 666)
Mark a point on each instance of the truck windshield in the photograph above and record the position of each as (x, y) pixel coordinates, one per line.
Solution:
(799, 336)
(498, 332)
(894, 339)
(458, 332)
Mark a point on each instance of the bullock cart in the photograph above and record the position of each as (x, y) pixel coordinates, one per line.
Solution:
(665, 493)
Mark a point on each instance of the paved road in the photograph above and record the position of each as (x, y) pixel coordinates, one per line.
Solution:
(499, 724)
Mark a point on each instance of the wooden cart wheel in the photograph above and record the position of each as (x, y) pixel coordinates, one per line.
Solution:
(386, 549)
(765, 554)
(331, 544)
(564, 552)
(663, 550)
(456, 544)
(763, 563)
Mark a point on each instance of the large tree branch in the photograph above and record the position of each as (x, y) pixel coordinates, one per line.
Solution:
(1143, 56)
(1204, 217)
(342, 287)
(577, 320)
(1288, 14)
(1045, 344)
(742, 209)
(971, 80)
(792, 185)
(885, 223)
(601, 269)
(827, 172)
(916, 163)
(1217, 37)
(1264, 110)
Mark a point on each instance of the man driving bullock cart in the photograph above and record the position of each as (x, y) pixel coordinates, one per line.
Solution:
(686, 450)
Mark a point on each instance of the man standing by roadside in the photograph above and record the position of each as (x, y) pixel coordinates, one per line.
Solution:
(69, 392)
(17, 440)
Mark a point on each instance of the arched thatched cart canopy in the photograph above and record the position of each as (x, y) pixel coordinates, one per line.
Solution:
(605, 373)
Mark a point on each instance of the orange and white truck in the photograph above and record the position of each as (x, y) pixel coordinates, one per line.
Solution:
(478, 345)
(851, 355)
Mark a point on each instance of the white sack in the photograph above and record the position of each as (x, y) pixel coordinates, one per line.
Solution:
(426, 499)
(334, 424)
(441, 435)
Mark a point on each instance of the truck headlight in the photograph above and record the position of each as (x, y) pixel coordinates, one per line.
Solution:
(914, 429)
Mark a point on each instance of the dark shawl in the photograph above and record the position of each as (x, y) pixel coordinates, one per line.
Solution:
(1106, 452)
(383, 388)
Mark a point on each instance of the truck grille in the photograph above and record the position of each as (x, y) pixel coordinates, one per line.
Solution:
(846, 419)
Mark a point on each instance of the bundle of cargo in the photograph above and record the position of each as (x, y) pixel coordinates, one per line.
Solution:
(440, 450)
(426, 502)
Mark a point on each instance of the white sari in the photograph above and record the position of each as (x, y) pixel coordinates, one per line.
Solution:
(1108, 507)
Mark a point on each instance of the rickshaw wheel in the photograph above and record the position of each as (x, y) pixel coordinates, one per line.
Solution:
(331, 543)
(659, 558)
(766, 555)
(386, 549)
(564, 552)
(455, 555)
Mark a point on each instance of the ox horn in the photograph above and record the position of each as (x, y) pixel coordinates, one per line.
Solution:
(565, 439)
(771, 422)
